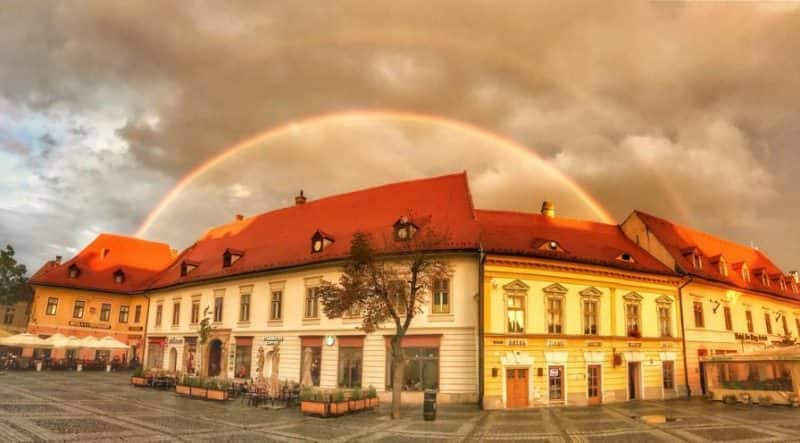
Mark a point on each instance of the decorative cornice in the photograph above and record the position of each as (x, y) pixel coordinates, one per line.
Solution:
(555, 289)
(516, 286)
(591, 292)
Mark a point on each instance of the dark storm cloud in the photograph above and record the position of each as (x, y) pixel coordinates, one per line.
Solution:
(688, 110)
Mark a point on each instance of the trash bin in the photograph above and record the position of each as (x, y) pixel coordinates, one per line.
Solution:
(429, 407)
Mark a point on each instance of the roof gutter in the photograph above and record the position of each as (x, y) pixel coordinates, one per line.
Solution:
(688, 281)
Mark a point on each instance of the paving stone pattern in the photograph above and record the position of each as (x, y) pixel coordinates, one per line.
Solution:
(103, 407)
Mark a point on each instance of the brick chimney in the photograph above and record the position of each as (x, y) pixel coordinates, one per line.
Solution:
(58, 259)
(300, 199)
(239, 217)
(795, 276)
(548, 209)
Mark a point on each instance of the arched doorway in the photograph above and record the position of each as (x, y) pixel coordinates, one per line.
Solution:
(214, 358)
(173, 360)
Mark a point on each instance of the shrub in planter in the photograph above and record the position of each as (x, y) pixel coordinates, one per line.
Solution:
(744, 397)
(338, 405)
(372, 397)
(313, 403)
(794, 400)
(729, 399)
(183, 386)
(219, 390)
(138, 377)
(198, 388)
(357, 401)
(765, 400)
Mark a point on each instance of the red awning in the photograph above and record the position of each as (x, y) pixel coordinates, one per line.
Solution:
(351, 341)
(311, 341)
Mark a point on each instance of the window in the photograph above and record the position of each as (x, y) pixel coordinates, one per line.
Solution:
(119, 276)
(276, 308)
(8, 317)
(404, 230)
(312, 303)
(52, 306)
(320, 241)
(421, 371)
(665, 320)
(243, 356)
(699, 320)
(187, 267)
(244, 307)
(353, 311)
(626, 257)
(105, 312)
(797, 325)
(441, 296)
(77, 310)
(765, 279)
(668, 374)
(590, 312)
(159, 314)
(723, 267)
(782, 282)
(768, 322)
(195, 319)
(137, 314)
(176, 313)
(516, 313)
(748, 315)
(728, 320)
(785, 325)
(632, 310)
(697, 261)
(218, 304)
(124, 310)
(745, 273)
(350, 367)
(74, 271)
(231, 256)
(555, 314)
(315, 358)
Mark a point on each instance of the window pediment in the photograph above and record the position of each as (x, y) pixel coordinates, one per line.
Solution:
(664, 300)
(516, 286)
(632, 297)
(555, 289)
(591, 292)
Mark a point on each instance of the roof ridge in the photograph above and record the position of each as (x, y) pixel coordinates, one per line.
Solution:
(536, 214)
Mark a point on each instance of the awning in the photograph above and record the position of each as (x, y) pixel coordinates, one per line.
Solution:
(24, 341)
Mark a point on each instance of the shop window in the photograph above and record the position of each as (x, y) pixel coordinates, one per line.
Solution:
(748, 315)
(105, 312)
(699, 320)
(277, 305)
(52, 306)
(768, 322)
(516, 313)
(350, 367)
(190, 352)
(176, 313)
(668, 374)
(726, 311)
(124, 310)
(421, 370)
(218, 305)
(155, 355)
(195, 312)
(243, 356)
(441, 296)
(77, 310)
(751, 376)
(159, 314)
(102, 355)
(311, 310)
(312, 356)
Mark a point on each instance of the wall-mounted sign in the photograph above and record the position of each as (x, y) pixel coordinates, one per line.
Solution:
(555, 372)
(86, 324)
(594, 344)
(666, 344)
(175, 341)
(497, 342)
(555, 343)
(271, 340)
(330, 340)
(517, 342)
(135, 328)
(634, 345)
(750, 337)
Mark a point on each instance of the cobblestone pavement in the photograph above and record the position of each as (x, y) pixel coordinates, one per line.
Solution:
(104, 407)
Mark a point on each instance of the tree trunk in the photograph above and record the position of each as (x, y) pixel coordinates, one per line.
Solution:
(398, 367)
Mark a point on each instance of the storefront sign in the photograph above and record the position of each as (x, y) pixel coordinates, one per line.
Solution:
(136, 328)
(666, 345)
(555, 372)
(497, 342)
(750, 337)
(556, 343)
(517, 342)
(176, 341)
(272, 340)
(635, 345)
(86, 324)
(232, 357)
(594, 344)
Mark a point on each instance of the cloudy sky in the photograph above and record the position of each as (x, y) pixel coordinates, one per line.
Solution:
(689, 110)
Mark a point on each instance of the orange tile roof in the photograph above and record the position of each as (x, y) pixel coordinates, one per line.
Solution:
(139, 260)
(282, 238)
(681, 241)
(518, 233)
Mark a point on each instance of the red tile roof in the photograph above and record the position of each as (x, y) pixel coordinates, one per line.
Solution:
(139, 260)
(518, 233)
(682, 241)
(282, 238)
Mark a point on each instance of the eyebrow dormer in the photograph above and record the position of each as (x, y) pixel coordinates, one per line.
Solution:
(694, 255)
(551, 245)
(73, 271)
(119, 276)
(320, 241)
(404, 229)
(187, 267)
(626, 257)
(231, 256)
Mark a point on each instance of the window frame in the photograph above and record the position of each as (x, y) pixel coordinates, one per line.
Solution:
(339, 365)
(768, 323)
(105, 312)
(51, 301)
(126, 310)
(276, 305)
(441, 290)
(664, 303)
(591, 296)
(699, 314)
(82, 304)
(159, 317)
(176, 313)
(219, 308)
(195, 316)
(728, 316)
(748, 315)
(668, 383)
(244, 306)
(633, 300)
(310, 300)
(555, 295)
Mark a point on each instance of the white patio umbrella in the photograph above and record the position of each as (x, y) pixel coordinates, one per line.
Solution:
(56, 340)
(25, 340)
(72, 342)
(88, 342)
(110, 343)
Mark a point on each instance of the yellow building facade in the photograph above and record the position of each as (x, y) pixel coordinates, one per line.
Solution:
(560, 333)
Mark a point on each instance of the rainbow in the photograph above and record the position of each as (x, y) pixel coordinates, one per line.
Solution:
(357, 116)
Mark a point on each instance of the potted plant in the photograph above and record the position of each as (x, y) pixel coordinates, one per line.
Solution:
(357, 401)
(372, 397)
(744, 397)
(217, 390)
(729, 399)
(338, 405)
(312, 403)
(139, 378)
(184, 387)
(198, 388)
(765, 400)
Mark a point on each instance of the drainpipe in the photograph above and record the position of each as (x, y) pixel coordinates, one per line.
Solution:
(481, 263)
(683, 336)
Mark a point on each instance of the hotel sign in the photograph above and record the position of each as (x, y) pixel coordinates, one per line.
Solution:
(517, 342)
(556, 343)
(176, 341)
(750, 337)
(86, 324)
(271, 340)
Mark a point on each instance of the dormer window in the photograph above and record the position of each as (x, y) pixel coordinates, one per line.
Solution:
(764, 278)
(320, 241)
(104, 252)
(694, 255)
(552, 246)
(723, 267)
(626, 257)
(745, 273)
(697, 261)
(74, 271)
(794, 290)
(119, 276)
(187, 267)
(782, 283)
(231, 256)
(404, 229)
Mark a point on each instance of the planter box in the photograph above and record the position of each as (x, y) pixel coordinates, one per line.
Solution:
(314, 408)
(339, 408)
(373, 402)
(183, 389)
(140, 381)
(199, 392)
(357, 405)
(216, 394)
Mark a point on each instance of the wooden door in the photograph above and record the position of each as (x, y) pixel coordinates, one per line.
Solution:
(593, 384)
(556, 383)
(634, 387)
(516, 388)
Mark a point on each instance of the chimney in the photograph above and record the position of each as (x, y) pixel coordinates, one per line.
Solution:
(548, 209)
(58, 259)
(300, 199)
(239, 217)
(795, 276)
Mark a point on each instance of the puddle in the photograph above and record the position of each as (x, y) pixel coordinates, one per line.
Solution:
(654, 419)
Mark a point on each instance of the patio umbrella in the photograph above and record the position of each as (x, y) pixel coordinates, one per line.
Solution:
(88, 342)
(24, 340)
(110, 343)
(56, 340)
(72, 342)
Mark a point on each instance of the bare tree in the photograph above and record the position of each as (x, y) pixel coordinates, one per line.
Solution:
(388, 287)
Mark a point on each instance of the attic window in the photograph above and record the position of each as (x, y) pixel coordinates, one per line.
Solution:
(723, 267)
(697, 261)
(551, 245)
(231, 256)
(119, 276)
(320, 241)
(782, 283)
(104, 252)
(404, 229)
(746, 273)
(626, 257)
(74, 271)
(764, 279)
(187, 267)
(794, 287)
